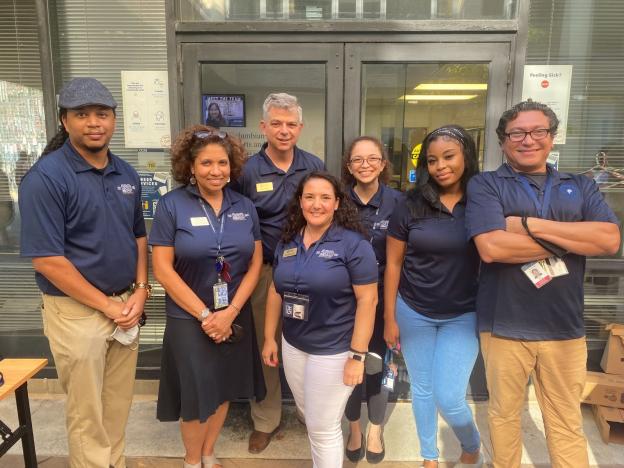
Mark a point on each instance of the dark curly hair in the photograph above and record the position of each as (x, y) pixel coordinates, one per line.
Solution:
(346, 215)
(425, 185)
(187, 145)
(526, 106)
(347, 177)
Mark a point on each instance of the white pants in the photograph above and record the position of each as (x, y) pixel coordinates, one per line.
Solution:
(320, 394)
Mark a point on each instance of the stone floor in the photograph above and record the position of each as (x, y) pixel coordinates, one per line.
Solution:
(152, 444)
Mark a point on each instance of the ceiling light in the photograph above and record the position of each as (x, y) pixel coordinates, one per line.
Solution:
(451, 87)
(438, 97)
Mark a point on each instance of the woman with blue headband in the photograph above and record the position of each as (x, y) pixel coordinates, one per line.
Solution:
(430, 292)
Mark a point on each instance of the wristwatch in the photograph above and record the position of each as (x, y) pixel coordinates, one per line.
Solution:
(142, 285)
(357, 356)
(204, 314)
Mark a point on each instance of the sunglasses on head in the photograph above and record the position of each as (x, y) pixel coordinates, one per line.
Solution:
(203, 134)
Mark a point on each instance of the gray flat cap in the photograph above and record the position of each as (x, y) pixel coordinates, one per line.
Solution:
(81, 92)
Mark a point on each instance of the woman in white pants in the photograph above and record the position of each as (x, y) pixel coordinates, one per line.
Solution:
(325, 289)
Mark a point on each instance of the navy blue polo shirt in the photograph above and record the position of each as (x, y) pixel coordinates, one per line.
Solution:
(375, 216)
(271, 189)
(440, 268)
(91, 216)
(326, 272)
(180, 222)
(508, 304)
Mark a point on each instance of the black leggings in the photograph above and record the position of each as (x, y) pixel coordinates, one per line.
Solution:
(371, 389)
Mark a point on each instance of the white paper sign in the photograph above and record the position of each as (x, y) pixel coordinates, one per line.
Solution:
(146, 109)
(550, 85)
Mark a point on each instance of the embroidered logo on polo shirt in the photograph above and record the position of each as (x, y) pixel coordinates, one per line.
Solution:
(126, 189)
(568, 190)
(326, 253)
(238, 216)
(383, 224)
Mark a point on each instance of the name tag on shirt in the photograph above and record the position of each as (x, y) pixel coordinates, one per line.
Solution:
(264, 187)
(199, 221)
(290, 252)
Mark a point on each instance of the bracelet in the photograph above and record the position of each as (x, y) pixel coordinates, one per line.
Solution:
(356, 351)
(143, 285)
(236, 308)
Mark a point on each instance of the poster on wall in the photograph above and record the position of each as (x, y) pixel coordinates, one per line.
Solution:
(145, 97)
(550, 84)
(223, 110)
(153, 186)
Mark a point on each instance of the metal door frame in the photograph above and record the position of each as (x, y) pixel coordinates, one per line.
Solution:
(496, 54)
(330, 54)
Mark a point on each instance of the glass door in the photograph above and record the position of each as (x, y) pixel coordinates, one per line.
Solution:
(243, 75)
(401, 92)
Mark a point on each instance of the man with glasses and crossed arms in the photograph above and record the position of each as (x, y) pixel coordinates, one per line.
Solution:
(270, 178)
(523, 217)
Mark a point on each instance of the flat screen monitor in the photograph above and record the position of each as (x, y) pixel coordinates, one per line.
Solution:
(223, 110)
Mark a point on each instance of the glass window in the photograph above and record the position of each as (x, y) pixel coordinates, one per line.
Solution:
(402, 102)
(256, 80)
(588, 36)
(22, 133)
(22, 138)
(237, 10)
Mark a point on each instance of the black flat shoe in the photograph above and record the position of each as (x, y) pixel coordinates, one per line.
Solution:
(357, 454)
(376, 457)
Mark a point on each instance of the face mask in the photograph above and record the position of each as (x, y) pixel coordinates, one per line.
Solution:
(126, 337)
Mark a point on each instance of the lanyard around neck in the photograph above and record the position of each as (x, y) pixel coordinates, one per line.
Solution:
(542, 208)
(219, 236)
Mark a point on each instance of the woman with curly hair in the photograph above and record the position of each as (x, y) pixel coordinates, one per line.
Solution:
(366, 171)
(434, 269)
(325, 290)
(207, 255)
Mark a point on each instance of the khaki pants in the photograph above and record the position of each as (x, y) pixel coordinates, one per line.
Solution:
(557, 369)
(267, 413)
(97, 375)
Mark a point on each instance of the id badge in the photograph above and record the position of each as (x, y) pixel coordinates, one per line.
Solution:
(536, 273)
(555, 266)
(296, 306)
(220, 295)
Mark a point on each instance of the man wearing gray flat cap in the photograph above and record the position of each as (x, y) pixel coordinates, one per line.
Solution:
(83, 228)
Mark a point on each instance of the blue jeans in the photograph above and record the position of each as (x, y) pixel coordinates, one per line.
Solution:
(440, 355)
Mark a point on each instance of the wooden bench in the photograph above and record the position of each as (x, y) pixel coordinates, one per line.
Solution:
(16, 374)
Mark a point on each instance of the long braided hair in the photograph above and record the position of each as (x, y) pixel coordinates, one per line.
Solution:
(59, 139)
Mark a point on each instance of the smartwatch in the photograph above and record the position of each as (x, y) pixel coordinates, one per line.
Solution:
(357, 356)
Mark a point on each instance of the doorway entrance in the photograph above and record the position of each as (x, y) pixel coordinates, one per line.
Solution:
(397, 92)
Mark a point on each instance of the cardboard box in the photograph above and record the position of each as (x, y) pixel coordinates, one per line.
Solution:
(604, 389)
(610, 422)
(613, 357)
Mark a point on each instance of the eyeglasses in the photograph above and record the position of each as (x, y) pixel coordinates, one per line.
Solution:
(537, 134)
(203, 134)
(372, 161)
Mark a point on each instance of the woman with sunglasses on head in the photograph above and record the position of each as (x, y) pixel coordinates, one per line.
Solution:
(434, 269)
(365, 171)
(325, 290)
(207, 255)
